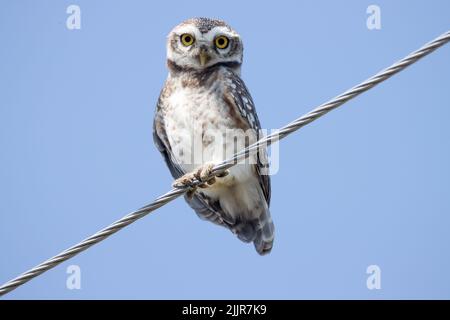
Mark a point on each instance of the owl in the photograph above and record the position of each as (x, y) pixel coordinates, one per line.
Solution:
(204, 115)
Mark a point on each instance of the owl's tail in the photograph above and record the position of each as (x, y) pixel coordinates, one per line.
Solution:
(260, 231)
(264, 235)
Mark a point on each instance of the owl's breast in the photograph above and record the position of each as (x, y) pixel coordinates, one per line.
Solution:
(200, 126)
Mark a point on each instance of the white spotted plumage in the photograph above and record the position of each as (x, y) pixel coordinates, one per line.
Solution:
(200, 109)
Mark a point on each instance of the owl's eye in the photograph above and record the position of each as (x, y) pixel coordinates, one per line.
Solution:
(187, 39)
(221, 42)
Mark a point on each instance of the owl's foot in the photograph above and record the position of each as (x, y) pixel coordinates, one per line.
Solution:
(223, 174)
(204, 172)
(201, 174)
(190, 192)
(186, 180)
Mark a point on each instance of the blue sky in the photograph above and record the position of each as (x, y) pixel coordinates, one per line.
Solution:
(368, 184)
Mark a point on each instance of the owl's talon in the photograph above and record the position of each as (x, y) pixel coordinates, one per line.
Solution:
(223, 174)
(190, 193)
(203, 185)
(205, 171)
(184, 181)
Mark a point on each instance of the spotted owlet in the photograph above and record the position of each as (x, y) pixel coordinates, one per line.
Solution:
(204, 115)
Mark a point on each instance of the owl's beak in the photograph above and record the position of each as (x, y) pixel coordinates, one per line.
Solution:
(203, 57)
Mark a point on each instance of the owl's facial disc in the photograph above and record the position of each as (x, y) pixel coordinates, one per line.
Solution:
(191, 47)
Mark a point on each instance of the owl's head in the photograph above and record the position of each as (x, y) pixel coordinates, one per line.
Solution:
(200, 43)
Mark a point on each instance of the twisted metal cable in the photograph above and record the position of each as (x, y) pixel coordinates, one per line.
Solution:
(265, 141)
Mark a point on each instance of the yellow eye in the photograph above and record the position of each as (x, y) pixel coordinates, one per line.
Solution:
(187, 39)
(221, 42)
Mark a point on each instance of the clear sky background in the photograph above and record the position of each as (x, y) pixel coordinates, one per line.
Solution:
(368, 184)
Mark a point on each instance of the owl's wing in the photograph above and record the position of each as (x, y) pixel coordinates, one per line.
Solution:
(260, 230)
(237, 94)
(162, 142)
